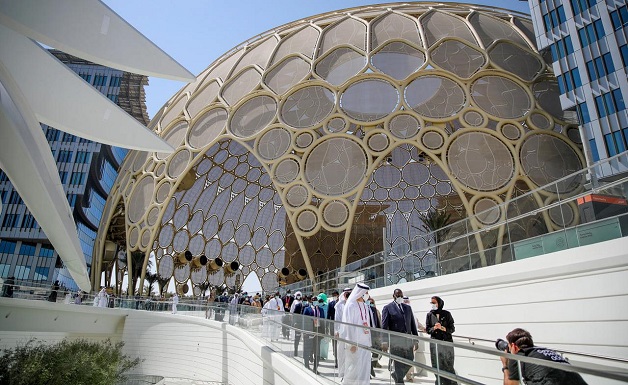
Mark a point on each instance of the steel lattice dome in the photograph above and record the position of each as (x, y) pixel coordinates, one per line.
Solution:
(323, 141)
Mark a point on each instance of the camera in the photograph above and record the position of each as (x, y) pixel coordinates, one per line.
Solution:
(502, 345)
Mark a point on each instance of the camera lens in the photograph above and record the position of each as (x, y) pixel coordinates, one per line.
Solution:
(501, 345)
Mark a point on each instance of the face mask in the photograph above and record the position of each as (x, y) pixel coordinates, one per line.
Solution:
(298, 298)
(277, 296)
(372, 305)
(366, 296)
(399, 300)
(304, 303)
(335, 298)
(434, 306)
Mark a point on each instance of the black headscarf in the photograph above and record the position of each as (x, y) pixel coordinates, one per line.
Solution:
(441, 303)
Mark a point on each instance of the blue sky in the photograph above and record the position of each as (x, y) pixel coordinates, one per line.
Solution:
(197, 32)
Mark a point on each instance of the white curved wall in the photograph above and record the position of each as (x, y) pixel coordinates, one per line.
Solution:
(170, 345)
(574, 300)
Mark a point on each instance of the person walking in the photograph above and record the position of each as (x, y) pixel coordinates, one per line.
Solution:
(272, 315)
(331, 315)
(295, 319)
(339, 309)
(439, 324)
(398, 317)
(53, 292)
(287, 303)
(102, 297)
(311, 341)
(175, 302)
(376, 339)
(357, 359)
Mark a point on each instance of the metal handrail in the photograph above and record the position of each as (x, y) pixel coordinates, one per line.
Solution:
(611, 372)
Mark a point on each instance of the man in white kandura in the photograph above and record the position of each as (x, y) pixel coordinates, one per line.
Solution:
(175, 302)
(272, 313)
(340, 348)
(357, 360)
(102, 297)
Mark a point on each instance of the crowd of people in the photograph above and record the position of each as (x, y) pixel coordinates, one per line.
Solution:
(358, 326)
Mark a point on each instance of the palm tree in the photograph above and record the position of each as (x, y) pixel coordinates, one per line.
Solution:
(137, 263)
(435, 222)
(151, 279)
(204, 287)
(162, 282)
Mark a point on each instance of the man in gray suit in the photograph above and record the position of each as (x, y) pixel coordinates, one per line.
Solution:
(398, 317)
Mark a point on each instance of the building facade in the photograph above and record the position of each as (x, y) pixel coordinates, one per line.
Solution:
(87, 170)
(333, 139)
(587, 43)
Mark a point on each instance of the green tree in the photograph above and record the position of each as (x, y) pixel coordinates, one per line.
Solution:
(74, 362)
(436, 222)
(151, 279)
(137, 263)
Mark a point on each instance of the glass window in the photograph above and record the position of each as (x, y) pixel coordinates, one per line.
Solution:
(599, 67)
(624, 54)
(623, 13)
(591, 70)
(599, 105)
(583, 113)
(561, 49)
(7, 247)
(576, 7)
(547, 23)
(561, 14)
(27, 249)
(619, 141)
(594, 153)
(568, 45)
(610, 144)
(46, 251)
(554, 52)
(590, 33)
(576, 77)
(568, 81)
(41, 273)
(4, 270)
(608, 63)
(22, 272)
(561, 84)
(599, 29)
(616, 20)
(582, 34)
(608, 101)
(619, 99)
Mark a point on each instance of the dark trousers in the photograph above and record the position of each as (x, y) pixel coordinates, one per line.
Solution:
(311, 350)
(297, 339)
(445, 362)
(334, 344)
(400, 368)
(285, 330)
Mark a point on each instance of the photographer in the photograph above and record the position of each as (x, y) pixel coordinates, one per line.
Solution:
(520, 342)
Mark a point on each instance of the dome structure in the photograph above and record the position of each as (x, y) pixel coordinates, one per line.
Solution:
(328, 139)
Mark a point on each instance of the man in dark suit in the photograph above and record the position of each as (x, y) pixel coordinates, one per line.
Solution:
(331, 315)
(398, 317)
(287, 302)
(312, 342)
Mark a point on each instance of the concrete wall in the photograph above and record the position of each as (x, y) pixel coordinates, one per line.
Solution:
(170, 345)
(574, 300)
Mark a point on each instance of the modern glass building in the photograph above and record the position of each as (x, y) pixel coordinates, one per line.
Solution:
(87, 170)
(587, 45)
(329, 139)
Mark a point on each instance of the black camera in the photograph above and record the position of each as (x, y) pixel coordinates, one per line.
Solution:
(502, 345)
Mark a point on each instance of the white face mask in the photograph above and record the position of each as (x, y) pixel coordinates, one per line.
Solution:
(434, 306)
(399, 300)
(366, 296)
